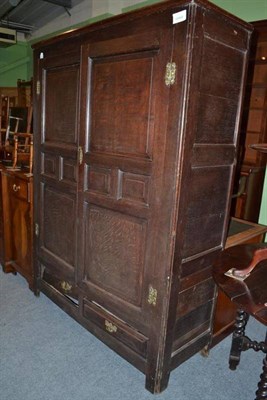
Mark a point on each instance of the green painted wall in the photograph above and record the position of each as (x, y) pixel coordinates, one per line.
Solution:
(15, 62)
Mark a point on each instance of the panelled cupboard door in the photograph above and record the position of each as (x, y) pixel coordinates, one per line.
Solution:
(58, 175)
(123, 134)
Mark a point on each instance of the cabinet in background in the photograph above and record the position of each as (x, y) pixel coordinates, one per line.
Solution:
(17, 223)
(253, 130)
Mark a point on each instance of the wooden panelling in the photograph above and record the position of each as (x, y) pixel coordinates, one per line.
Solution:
(137, 208)
(111, 235)
(129, 81)
(58, 210)
(60, 104)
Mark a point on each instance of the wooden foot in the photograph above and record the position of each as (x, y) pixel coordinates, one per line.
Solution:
(156, 386)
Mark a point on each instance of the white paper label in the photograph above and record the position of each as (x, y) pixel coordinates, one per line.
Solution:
(179, 17)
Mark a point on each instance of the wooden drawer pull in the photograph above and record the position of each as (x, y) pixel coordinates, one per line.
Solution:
(110, 327)
(16, 188)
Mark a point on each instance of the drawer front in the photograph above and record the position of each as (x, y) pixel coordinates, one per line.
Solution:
(20, 189)
(115, 327)
(65, 285)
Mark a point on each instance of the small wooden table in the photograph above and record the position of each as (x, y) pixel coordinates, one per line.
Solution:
(240, 232)
(241, 273)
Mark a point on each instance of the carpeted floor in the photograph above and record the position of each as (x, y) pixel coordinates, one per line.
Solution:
(45, 355)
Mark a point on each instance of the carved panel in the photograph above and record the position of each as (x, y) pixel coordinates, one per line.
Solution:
(134, 187)
(209, 197)
(99, 179)
(114, 256)
(60, 109)
(122, 86)
(49, 165)
(58, 225)
(68, 170)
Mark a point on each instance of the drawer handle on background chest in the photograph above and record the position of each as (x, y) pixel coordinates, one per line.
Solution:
(110, 327)
(16, 188)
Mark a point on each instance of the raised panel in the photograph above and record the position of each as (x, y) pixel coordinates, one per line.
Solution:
(68, 171)
(58, 225)
(60, 104)
(195, 296)
(98, 179)
(206, 209)
(114, 254)
(122, 86)
(134, 187)
(215, 120)
(221, 71)
(49, 165)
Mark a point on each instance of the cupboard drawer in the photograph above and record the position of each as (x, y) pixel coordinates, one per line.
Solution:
(64, 285)
(20, 188)
(115, 327)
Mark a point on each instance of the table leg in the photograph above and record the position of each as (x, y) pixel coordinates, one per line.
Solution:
(262, 385)
(237, 340)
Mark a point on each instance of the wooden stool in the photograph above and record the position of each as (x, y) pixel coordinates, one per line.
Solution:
(241, 272)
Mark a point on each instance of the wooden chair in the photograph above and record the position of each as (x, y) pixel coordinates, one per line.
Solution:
(23, 149)
(241, 272)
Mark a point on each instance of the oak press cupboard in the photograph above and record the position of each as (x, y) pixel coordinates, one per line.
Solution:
(136, 129)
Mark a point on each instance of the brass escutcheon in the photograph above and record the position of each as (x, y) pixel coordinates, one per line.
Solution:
(16, 188)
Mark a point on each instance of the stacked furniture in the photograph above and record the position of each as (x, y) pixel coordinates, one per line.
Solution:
(136, 131)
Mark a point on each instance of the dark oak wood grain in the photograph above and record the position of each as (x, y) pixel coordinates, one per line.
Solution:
(133, 186)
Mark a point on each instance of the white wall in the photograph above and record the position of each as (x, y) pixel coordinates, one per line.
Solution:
(82, 12)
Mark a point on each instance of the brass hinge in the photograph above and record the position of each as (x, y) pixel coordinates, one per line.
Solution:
(38, 87)
(152, 296)
(170, 74)
(80, 155)
(37, 230)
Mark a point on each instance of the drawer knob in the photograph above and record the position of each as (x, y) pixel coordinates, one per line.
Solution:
(16, 188)
(66, 286)
(110, 327)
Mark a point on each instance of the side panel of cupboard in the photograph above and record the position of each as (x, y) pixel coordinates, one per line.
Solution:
(137, 125)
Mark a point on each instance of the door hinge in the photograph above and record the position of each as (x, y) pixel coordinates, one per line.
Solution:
(80, 155)
(152, 296)
(38, 87)
(37, 230)
(170, 74)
